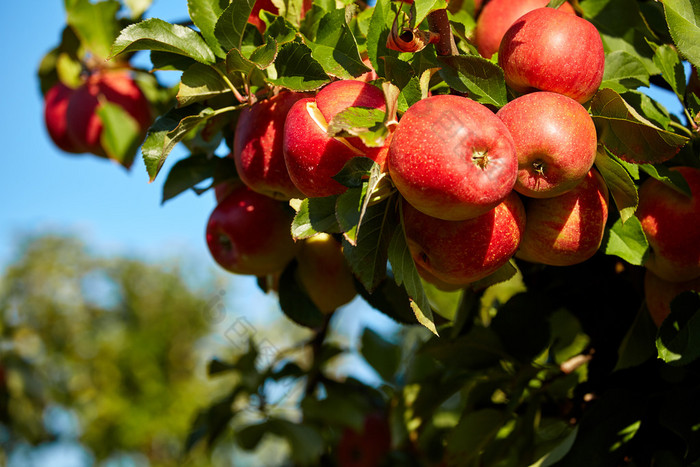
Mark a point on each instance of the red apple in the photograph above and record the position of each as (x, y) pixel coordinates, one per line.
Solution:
(367, 448)
(226, 187)
(549, 50)
(83, 124)
(257, 147)
(498, 15)
(555, 141)
(671, 222)
(324, 273)
(566, 229)
(452, 158)
(249, 233)
(55, 107)
(312, 156)
(460, 252)
(659, 294)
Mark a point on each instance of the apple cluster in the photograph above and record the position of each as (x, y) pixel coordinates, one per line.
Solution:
(71, 114)
(478, 185)
(471, 177)
(468, 176)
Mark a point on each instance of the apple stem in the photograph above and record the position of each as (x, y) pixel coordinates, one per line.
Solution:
(481, 159)
(539, 167)
(230, 85)
(439, 23)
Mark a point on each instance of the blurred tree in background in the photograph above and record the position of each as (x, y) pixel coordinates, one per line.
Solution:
(110, 343)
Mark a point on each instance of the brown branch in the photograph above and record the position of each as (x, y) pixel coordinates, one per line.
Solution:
(439, 23)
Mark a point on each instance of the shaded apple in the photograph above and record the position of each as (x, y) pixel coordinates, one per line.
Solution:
(555, 141)
(249, 233)
(226, 187)
(671, 221)
(452, 158)
(55, 107)
(566, 229)
(366, 448)
(498, 15)
(549, 50)
(659, 293)
(257, 146)
(312, 156)
(460, 252)
(84, 126)
(324, 273)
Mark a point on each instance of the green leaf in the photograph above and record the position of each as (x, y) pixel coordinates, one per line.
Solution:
(478, 349)
(281, 30)
(305, 442)
(230, 27)
(651, 109)
(624, 71)
(355, 172)
(473, 433)
(315, 215)
(619, 182)
(95, 24)
(170, 61)
(405, 273)
(199, 83)
(138, 7)
(379, 29)
(628, 135)
(424, 7)
(638, 344)
(297, 69)
(121, 135)
(260, 57)
(347, 211)
(668, 61)
(205, 14)
(335, 47)
(683, 18)
(382, 355)
(622, 28)
(502, 274)
(363, 122)
(368, 255)
(389, 299)
(678, 340)
(294, 301)
(264, 55)
(156, 34)
(627, 241)
(340, 410)
(668, 177)
(187, 173)
(410, 94)
(481, 79)
(556, 454)
(170, 129)
(444, 303)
